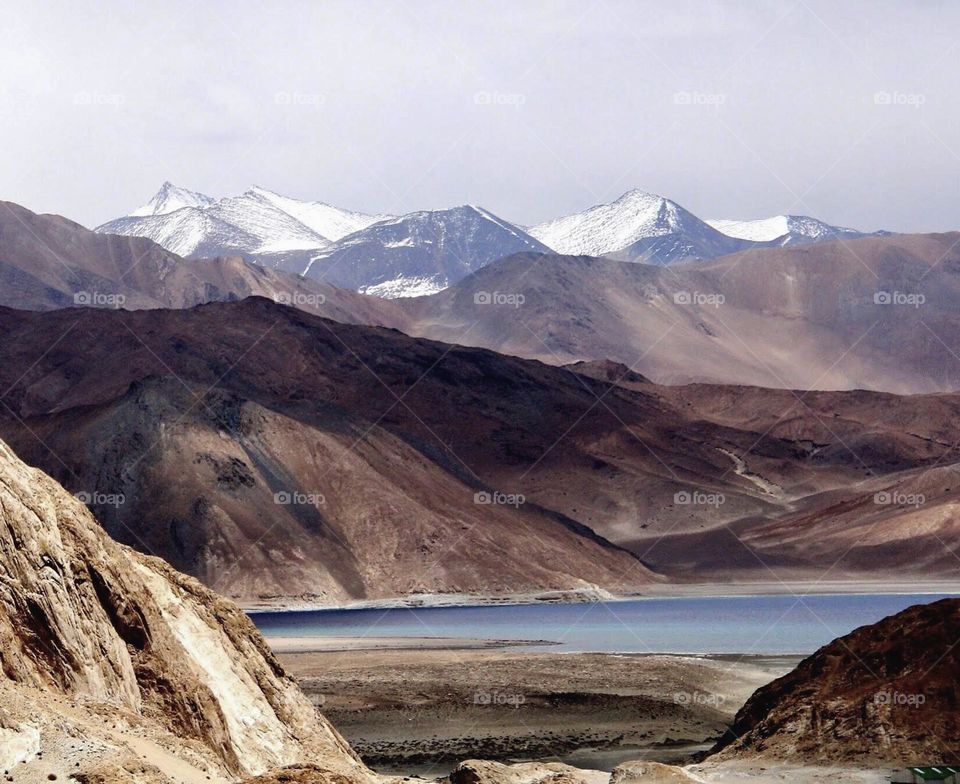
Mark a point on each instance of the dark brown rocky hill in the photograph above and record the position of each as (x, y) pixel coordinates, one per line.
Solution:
(886, 693)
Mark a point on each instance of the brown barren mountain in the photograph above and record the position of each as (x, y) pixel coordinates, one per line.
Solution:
(885, 693)
(113, 666)
(277, 455)
(874, 313)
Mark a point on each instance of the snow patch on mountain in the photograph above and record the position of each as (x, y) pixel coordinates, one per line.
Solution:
(402, 286)
(192, 224)
(638, 226)
(187, 232)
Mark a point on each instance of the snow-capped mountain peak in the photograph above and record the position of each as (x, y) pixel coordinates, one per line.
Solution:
(782, 229)
(171, 198)
(609, 228)
(420, 253)
(638, 198)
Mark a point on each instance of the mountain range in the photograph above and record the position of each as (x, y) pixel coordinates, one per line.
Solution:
(876, 313)
(47, 261)
(425, 252)
(199, 415)
(290, 442)
(283, 457)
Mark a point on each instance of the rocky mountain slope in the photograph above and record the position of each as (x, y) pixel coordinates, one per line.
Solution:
(113, 666)
(874, 313)
(279, 456)
(50, 262)
(896, 506)
(885, 693)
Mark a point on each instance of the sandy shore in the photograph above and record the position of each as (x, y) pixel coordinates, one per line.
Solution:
(421, 710)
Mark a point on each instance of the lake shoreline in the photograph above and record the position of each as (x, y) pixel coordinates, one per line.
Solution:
(585, 596)
(691, 626)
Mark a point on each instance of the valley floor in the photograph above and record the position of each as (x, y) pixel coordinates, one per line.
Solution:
(422, 710)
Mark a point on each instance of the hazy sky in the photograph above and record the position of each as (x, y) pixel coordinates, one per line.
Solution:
(849, 111)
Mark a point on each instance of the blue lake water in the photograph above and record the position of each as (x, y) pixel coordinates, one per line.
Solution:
(740, 624)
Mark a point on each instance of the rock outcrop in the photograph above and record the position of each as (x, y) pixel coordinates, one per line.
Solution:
(486, 772)
(649, 772)
(884, 693)
(109, 654)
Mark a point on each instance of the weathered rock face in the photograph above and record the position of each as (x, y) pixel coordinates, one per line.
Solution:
(882, 694)
(92, 623)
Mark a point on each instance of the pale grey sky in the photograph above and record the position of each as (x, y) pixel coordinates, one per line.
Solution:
(847, 111)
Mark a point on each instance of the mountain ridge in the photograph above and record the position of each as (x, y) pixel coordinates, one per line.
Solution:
(300, 236)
